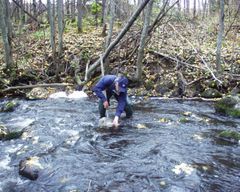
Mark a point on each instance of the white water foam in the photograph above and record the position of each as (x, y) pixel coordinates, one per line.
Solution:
(73, 95)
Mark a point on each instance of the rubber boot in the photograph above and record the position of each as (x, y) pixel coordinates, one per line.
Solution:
(102, 110)
(128, 108)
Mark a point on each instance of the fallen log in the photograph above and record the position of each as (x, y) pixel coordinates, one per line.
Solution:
(198, 54)
(37, 85)
(174, 60)
(118, 38)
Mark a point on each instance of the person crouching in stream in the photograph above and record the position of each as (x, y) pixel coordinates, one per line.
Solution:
(115, 86)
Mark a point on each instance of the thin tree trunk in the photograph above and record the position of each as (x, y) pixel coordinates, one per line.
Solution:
(21, 17)
(104, 17)
(73, 7)
(60, 26)
(143, 40)
(67, 8)
(7, 19)
(220, 36)
(204, 5)
(80, 15)
(199, 6)
(103, 12)
(194, 9)
(34, 4)
(110, 30)
(179, 6)
(4, 25)
(188, 7)
(96, 14)
(111, 23)
(51, 13)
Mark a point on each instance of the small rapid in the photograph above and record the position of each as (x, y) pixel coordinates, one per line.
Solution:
(168, 145)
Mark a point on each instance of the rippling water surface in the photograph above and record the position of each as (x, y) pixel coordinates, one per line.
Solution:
(168, 145)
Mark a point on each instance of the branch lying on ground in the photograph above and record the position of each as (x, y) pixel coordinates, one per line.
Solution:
(196, 51)
(38, 85)
(175, 60)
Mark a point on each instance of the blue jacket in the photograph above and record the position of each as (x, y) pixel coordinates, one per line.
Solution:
(107, 83)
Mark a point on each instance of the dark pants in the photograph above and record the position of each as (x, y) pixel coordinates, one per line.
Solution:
(128, 109)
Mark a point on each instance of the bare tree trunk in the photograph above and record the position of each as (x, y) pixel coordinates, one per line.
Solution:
(179, 6)
(220, 36)
(199, 7)
(34, 4)
(187, 7)
(204, 2)
(104, 17)
(7, 18)
(80, 15)
(110, 30)
(73, 7)
(51, 13)
(143, 40)
(60, 26)
(103, 11)
(96, 14)
(67, 3)
(21, 17)
(6, 36)
(111, 23)
(194, 9)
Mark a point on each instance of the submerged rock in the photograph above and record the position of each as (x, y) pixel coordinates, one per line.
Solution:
(6, 134)
(229, 105)
(30, 168)
(211, 93)
(37, 93)
(105, 122)
(9, 106)
(3, 132)
(229, 135)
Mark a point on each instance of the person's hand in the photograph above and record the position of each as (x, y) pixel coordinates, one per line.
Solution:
(105, 104)
(115, 121)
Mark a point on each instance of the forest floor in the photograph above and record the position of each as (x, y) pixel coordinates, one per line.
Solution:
(179, 60)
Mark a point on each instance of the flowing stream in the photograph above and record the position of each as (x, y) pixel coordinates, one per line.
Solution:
(168, 145)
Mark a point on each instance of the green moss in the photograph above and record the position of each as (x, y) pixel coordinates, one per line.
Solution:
(3, 132)
(9, 106)
(184, 120)
(39, 34)
(234, 112)
(230, 135)
(211, 93)
(226, 106)
(228, 101)
(13, 135)
(149, 84)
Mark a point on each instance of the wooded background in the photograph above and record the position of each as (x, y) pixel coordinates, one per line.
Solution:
(177, 30)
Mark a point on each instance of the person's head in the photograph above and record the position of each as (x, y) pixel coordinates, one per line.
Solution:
(121, 83)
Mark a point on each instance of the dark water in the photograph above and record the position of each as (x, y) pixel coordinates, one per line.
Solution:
(162, 148)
